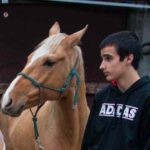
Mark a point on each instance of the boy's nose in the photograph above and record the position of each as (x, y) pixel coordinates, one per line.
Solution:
(102, 66)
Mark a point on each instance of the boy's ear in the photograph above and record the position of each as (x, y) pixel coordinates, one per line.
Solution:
(130, 58)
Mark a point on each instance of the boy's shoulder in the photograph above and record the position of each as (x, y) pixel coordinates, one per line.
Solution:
(102, 92)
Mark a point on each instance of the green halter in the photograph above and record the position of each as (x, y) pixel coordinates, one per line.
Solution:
(39, 85)
(72, 73)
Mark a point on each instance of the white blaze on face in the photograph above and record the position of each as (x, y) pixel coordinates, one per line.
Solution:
(46, 47)
(6, 96)
(41, 51)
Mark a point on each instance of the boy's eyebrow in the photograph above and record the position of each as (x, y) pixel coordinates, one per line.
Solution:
(106, 55)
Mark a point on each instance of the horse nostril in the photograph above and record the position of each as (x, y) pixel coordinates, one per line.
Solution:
(8, 105)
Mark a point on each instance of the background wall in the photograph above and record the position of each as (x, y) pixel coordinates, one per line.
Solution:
(22, 27)
(27, 25)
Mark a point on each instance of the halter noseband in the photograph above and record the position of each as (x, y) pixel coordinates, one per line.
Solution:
(72, 73)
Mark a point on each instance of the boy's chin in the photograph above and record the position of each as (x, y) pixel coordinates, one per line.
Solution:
(108, 78)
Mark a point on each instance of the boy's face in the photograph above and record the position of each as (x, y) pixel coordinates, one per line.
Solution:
(113, 68)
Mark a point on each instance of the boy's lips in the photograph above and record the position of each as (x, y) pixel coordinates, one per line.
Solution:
(106, 73)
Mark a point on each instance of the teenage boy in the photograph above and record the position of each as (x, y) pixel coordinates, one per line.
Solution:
(120, 115)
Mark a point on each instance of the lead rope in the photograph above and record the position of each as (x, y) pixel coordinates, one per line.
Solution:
(75, 100)
(34, 119)
(74, 72)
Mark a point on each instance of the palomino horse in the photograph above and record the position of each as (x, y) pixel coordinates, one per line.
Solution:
(53, 77)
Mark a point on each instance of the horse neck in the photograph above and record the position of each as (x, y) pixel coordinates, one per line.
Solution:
(70, 121)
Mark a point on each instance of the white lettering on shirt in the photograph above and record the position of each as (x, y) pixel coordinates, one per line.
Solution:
(126, 111)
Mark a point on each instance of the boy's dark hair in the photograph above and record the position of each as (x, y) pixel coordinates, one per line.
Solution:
(125, 42)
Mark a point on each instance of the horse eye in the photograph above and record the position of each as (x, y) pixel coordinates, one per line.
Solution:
(48, 63)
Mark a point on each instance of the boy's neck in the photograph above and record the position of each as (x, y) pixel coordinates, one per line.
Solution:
(129, 78)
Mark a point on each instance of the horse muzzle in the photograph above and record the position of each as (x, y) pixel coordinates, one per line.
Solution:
(13, 110)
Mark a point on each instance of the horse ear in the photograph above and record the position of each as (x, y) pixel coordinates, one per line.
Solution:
(54, 29)
(75, 38)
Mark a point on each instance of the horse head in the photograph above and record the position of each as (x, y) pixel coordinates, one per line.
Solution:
(49, 70)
